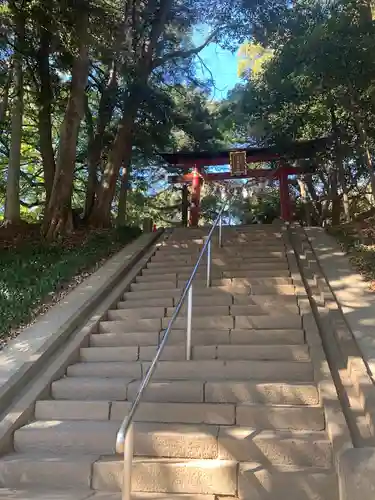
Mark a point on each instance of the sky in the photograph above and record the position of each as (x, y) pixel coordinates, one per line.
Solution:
(222, 64)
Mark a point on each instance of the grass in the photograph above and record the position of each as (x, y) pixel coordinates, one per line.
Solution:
(30, 273)
(361, 255)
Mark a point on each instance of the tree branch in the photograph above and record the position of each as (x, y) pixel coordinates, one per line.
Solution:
(183, 54)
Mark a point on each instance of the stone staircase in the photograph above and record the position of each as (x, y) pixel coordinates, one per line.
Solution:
(242, 419)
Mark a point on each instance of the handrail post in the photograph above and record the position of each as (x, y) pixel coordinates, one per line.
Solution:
(189, 323)
(125, 434)
(128, 463)
(221, 232)
(209, 264)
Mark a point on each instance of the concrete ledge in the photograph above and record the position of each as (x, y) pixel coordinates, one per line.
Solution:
(26, 355)
(338, 318)
(336, 424)
(357, 474)
(21, 411)
(350, 290)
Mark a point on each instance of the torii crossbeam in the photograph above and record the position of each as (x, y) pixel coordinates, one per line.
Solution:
(192, 166)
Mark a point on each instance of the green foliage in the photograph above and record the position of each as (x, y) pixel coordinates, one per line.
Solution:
(318, 82)
(252, 59)
(262, 209)
(30, 272)
(361, 255)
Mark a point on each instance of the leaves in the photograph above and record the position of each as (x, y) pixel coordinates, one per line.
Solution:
(31, 272)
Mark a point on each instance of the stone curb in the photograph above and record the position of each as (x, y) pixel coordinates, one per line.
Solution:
(25, 356)
(22, 411)
(355, 466)
(359, 383)
(356, 474)
(337, 428)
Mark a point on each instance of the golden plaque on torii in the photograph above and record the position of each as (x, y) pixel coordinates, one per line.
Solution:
(238, 162)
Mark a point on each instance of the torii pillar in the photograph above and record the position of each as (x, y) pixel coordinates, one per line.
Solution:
(195, 198)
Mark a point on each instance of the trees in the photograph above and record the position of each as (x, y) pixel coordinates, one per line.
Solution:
(318, 82)
(153, 41)
(12, 206)
(98, 64)
(106, 84)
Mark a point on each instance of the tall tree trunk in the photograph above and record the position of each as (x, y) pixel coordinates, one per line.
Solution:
(122, 147)
(305, 200)
(339, 161)
(120, 154)
(345, 197)
(185, 205)
(4, 103)
(12, 204)
(123, 196)
(335, 198)
(365, 10)
(58, 216)
(105, 112)
(45, 111)
(363, 138)
(316, 204)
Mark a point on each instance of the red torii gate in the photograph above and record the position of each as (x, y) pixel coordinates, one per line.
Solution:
(192, 165)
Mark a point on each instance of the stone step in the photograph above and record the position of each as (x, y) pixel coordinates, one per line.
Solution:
(218, 277)
(85, 494)
(166, 440)
(266, 337)
(172, 283)
(244, 248)
(170, 275)
(230, 289)
(280, 417)
(254, 481)
(217, 265)
(138, 313)
(237, 310)
(130, 303)
(117, 338)
(233, 238)
(216, 300)
(131, 326)
(216, 477)
(243, 282)
(245, 243)
(186, 479)
(233, 392)
(270, 448)
(199, 370)
(283, 393)
(176, 353)
(18, 470)
(285, 321)
(257, 416)
(198, 310)
(223, 254)
(267, 302)
(275, 483)
(111, 389)
(124, 325)
(158, 285)
(223, 259)
(216, 272)
(205, 337)
(219, 261)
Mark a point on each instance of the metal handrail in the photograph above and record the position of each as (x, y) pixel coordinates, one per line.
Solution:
(125, 434)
